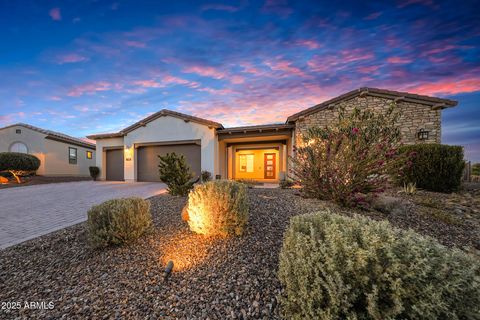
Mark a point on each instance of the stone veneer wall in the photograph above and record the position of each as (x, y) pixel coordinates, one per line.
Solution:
(414, 116)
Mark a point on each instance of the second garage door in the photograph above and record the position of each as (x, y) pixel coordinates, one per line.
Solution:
(147, 159)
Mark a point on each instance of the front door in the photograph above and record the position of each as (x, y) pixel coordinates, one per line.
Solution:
(269, 165)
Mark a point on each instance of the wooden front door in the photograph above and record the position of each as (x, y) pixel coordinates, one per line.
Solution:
(269, 165)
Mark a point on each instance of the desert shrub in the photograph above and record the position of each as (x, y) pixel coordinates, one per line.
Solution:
(335, 267)
(94, 172)
(349, 161)
(286, 184)
(476, 169)
(175, 173)
(250, 183)
(434, 167)
(18, 164)
(217, 207)
(118, 221)
(205, 176)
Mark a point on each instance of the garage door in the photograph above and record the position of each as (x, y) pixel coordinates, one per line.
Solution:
(147, 159)
(115, 165)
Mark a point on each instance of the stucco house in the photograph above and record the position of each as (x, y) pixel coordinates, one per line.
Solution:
(257, 152)
(59, 154)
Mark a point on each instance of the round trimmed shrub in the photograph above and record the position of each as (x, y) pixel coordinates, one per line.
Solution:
(217, 208)
(94, 172)
(433, 166)
(118, 221)
(335, 267)
(18, 164)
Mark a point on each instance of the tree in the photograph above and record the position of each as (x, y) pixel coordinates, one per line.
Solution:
(18, 164)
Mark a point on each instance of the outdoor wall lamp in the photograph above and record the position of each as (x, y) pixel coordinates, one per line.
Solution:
(128, 153)
(422, 134)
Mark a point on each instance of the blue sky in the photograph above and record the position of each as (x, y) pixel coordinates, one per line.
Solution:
(83, 67)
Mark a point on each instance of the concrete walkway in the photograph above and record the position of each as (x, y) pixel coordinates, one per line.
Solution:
(32, 211)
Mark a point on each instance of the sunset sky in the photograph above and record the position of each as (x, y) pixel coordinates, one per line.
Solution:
(83, 67)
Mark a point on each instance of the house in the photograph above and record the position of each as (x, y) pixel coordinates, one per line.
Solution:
(59, 154)
(257, 152)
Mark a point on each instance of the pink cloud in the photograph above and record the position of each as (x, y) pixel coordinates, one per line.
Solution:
(237, 79)
(54, 98)
(373, 16)
(213, 91)
(165, 80)
(90, 88)
(443, 49)
(405, 3)
(55, 14)
(448, 87)
(310, 44)
(12, 117)
(355, 55)
(135, 44)
(148, 84)
(399, 60)
(249, 68)
(71, 58)
(220, 7)
(368, 69)
(205, 71)
(286, 67)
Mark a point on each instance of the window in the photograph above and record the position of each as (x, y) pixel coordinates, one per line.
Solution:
(246, 162)
(72, 155)
(89, 155)
(18, 131)
(19, 147)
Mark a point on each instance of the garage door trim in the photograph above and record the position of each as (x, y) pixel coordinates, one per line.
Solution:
(167, 143)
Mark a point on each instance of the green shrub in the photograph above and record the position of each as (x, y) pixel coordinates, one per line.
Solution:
(217, 207)
(175, 173)
(434, 167)
(18, 164)
(476, 169)
(335, 267)
(205, 176)
(94, 172)
(286, 184)
(250, 183)
(348, 161)
(118, 221)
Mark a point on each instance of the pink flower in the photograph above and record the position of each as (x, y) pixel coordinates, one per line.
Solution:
(355, 130)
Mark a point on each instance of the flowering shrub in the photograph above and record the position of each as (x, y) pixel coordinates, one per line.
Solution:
(349, 161)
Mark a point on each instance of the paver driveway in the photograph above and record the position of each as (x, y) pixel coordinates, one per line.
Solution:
(32, 211)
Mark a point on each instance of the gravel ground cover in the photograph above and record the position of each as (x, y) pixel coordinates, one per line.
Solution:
(212, 279)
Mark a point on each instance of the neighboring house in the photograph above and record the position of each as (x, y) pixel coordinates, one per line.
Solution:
(59, 154)
(251, 152)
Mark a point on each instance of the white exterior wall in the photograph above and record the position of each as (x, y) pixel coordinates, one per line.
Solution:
(168, 128)
(101, 154)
